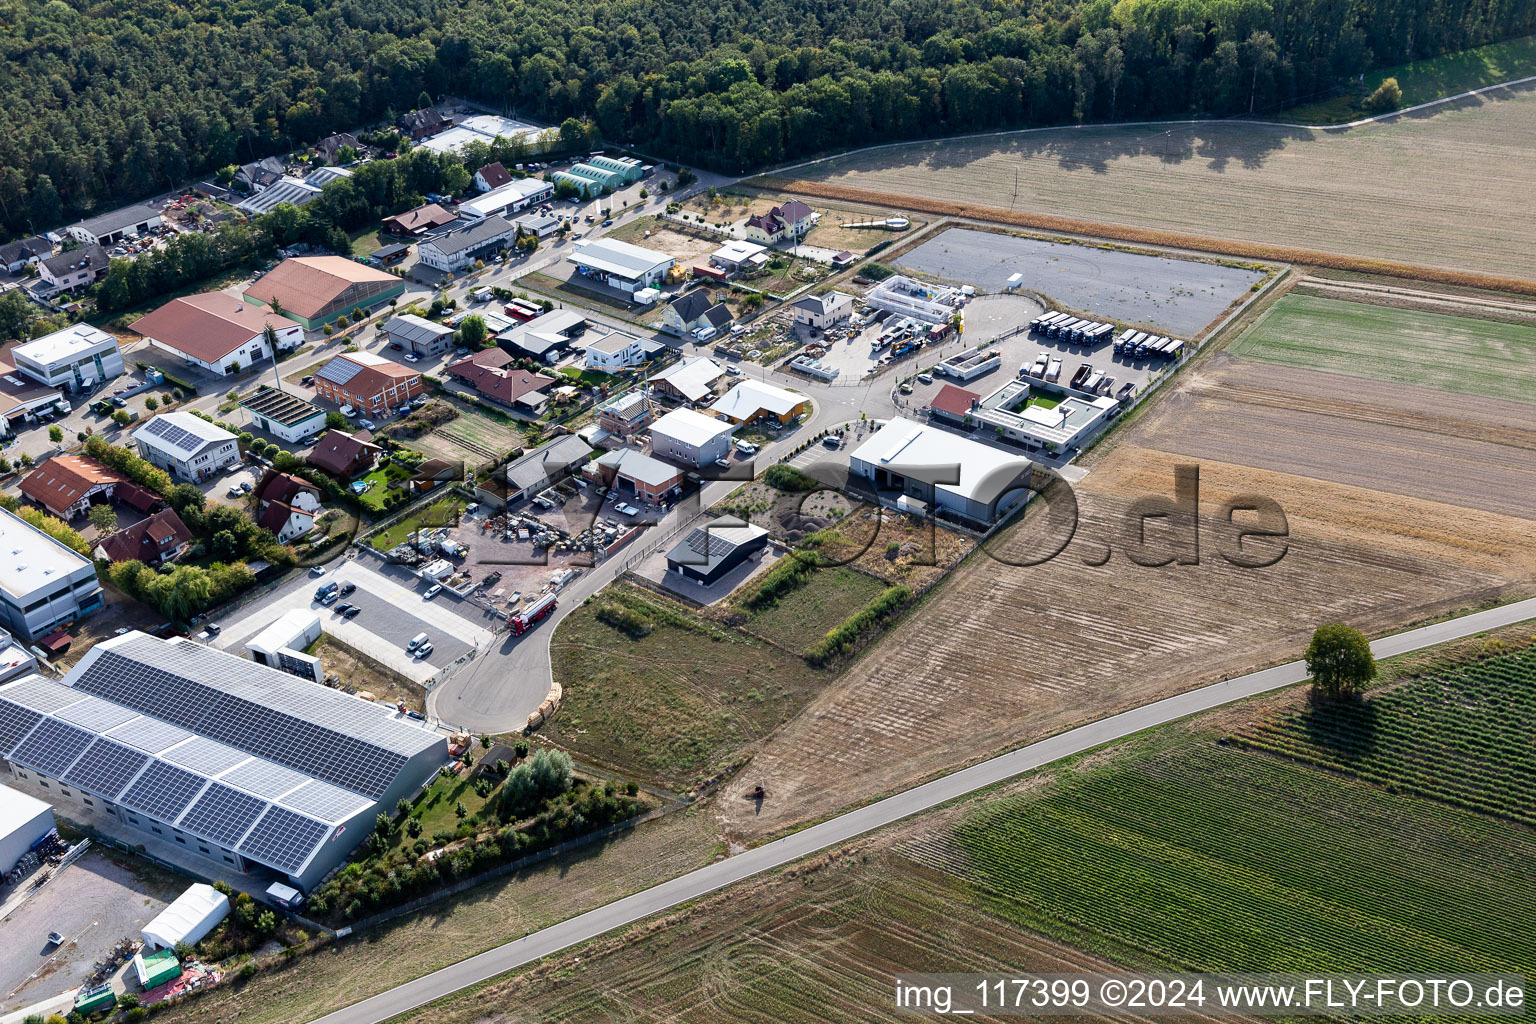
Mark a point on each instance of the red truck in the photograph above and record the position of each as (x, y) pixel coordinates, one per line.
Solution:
(521, 622)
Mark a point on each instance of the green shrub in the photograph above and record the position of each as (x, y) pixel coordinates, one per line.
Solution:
(788, 575)
(787, 478)
(843, 636)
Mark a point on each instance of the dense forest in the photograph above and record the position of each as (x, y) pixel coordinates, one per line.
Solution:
(112, 101)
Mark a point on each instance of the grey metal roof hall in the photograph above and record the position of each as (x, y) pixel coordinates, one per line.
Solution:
(412, 329)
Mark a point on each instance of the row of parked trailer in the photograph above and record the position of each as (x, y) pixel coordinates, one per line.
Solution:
(1071, 328)
(1138, 344)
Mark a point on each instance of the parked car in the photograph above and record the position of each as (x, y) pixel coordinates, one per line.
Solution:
(705, 333)
(233, 492)
(424, 650)
(366, 423)
(351, 611)
(628, 510)
(342, 608)
(723, 463)
(416, 641)
(432, 591)
(906, 387)
(55, 939)
(833, 441)
(318, 570)
(412, 357)
(347, 410)
(307, 380)
(746, 448)
(214, 629)
(330, 598)
(733, 371)
(925, 378)
(245, 487)
(347, 588)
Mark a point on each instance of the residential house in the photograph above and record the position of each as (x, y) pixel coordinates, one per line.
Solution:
(218, 332)
(331, 146)
(533, 471)
(344, 456)
(283, 415)
(753, 400)
(822, 311)
(67, 485)
(491, 176)
(691, 438)
(73, 269)
(76, 358)
(111, 228)
(491, 374)
(315, 290)
(459, 247)
(419, 124)
(369, 383)
(613, 351)
(260, 174)
(419, 220)
(186, 446)
(691, 380)
(648, 479)
(411, 333)
(19, 255)
(685, 314)
(788, 222)
(737, 255)
(625, 414)
(163, 537)
(286, 505)
(952, 405)
(43, 584)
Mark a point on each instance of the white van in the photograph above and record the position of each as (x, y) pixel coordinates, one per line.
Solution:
(705, 333)
(416, 641)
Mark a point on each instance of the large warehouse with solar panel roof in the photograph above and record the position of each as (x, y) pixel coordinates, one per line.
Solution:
(243, 764)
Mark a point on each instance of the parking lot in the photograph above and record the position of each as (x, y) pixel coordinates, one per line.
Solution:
(1178, 296)
(393, 610)
(93, 903)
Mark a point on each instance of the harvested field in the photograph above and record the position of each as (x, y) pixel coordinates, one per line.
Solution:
(1000, 656)
(1381, 192)
(1175, 295)
(1462, 354)
(1397, 438)
(474, 436)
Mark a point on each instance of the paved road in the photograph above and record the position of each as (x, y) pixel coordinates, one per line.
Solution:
(877, 815)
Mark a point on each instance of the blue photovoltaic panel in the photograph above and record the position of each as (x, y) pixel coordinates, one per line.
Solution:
(205, 756)
(264, 778)
(149, 734)
(284, 839)
(106, 767)
(15, 722)
(95, 714)
(222, 814)
(162, 791)
(324, 801)
(52, 747)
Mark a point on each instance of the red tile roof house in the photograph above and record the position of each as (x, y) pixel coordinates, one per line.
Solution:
(419, 220)
(218, 332)
(343, 455)
(288, 505)
(492, 176)
(490, 373)
(369, 383)
(163, 537)
(65, 485)
(952, 404)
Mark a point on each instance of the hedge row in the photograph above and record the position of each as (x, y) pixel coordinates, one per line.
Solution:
(840, 638)
(789, 574)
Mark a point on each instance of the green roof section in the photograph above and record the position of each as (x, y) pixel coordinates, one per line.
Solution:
(160, 967)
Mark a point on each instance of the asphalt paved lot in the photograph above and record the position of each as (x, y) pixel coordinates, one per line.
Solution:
(93, 903)
(1180, 296)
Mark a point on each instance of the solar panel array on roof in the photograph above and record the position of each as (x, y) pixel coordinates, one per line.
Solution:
(94, 714)
(52, 747)
(265, 778)
(205, 756)
(39, 694)
(339, 371)
(324, 801)
(177, 437)
(106, 767)
(149, 734)
(15, 722)
(163, 791)
(223, 814)
(284, 838)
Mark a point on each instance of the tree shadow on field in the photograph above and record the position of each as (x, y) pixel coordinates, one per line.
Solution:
(1348, 726)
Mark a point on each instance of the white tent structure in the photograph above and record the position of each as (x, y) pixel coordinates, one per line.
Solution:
(193, 915)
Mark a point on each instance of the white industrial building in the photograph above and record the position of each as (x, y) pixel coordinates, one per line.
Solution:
(930, 303)
(621, 266)
(43, 584)
(935, 471)
(485, 128)
(281, 645)
(457, 248)
(24, 820)
(190, 916)
(77, 357)
(518, 194)
(252, 768)
(690, 437)
(111, 228)
(187, 446)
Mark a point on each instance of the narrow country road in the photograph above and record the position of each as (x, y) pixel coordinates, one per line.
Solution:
(829, 833)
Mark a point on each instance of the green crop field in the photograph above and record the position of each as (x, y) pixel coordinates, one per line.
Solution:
(660, 694)
(1461, 736)
(1464, 355)
(1215, 858)
(804, 615)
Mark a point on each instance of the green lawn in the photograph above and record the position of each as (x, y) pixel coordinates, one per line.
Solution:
(368, 240)
(1204, 857)
(439, 513)
(1463, 355)
(378, 484)
(436, 804)
(672, 698)
(1043, 401)
(805, 615)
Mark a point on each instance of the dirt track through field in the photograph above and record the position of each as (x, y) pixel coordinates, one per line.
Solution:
(1000, 656)
(1434, 189)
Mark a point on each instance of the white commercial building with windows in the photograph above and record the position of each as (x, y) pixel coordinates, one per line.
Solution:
(620, 265)
(43, 584)
(690, 437)
(186, 446)
(508, 199)
(77, 357)
(250, 767)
